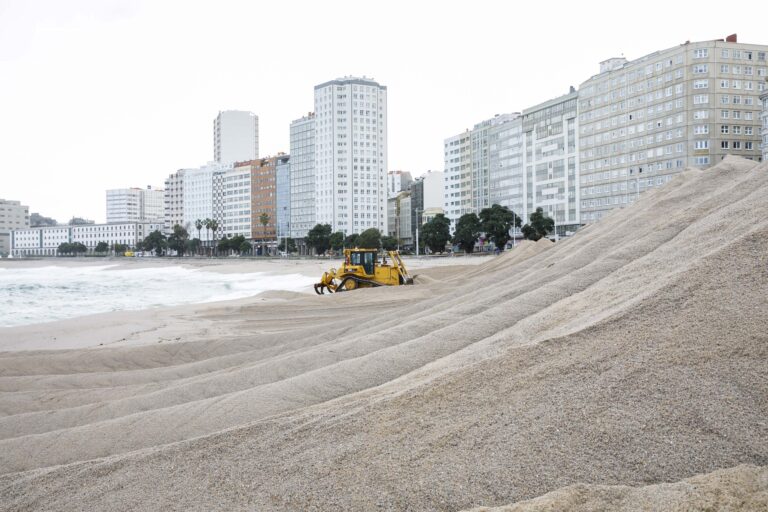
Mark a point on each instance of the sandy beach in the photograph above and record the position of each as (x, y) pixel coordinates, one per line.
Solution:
(590, 374)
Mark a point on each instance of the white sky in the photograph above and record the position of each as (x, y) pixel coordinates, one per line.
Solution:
(99, 94)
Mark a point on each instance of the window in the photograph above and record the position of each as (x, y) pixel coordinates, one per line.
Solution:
(701, 129)
(725, 54)
(725, 114)
(725, 99)
(701, 84)
(723, 144)
(748, 145)
(737, 114)
(736, 144)
(724, 129)
(701, 53)
(747, 130)
(737, 130)
(701, 114)
(724, 68)
(701, 160)
(701, 144)
(724, 84)
(700, 69)
(700, 99)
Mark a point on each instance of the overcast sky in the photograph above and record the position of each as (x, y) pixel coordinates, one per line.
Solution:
(99, 94)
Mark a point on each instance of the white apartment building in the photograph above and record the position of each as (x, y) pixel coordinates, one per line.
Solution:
(764, 123)
(433, 189)
(198, 196)
(135, 205)
(457, 180)
(351, 154)
(173, 201)
(467, 178)
(302, 176)
(551, 179)
(643, 121)
(231, 202)
(13, 215)
(44, 241)
(397, 181)
(235, 136)
(508, 183)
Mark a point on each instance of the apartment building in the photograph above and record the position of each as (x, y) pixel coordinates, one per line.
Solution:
(13, 215)
(264, 198)
(135, 205)
(457, 195)
(197, 197)
(173, 201)
(235, 136)
(231, 201)
(643, 121)
(764, 123)
(351, 154)
(302, 176)
(397, 181)
(550, 159)
(283, 194)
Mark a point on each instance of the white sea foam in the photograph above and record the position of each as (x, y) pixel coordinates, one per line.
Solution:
(44, 294)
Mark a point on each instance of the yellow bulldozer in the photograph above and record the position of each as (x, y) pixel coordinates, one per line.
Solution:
(362, 269)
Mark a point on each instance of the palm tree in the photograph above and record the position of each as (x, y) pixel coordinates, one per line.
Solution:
(214, 227)
(207, 224)
(264, 219)
(199, 226)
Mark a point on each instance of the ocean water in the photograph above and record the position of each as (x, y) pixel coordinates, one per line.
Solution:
(44, 294)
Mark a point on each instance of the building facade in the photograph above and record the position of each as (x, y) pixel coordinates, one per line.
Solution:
(235, 136)
(643, 121)
(264, 199)
(351, 155)
(283, 194)
(551, 179)
(764, 123)
(302, 176)
(135, 205)
(13, 215)
(231, 201)
(173, 201)
(397, 181)
(44, 241)
(197, 197)
(507, 175)
(457, 195)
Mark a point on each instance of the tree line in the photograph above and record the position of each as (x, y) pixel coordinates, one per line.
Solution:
(495, 222)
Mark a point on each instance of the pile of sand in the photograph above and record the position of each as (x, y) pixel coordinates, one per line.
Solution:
(633, 353)
(740, 488)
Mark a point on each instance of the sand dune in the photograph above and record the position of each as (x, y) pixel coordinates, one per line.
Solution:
(633, 353)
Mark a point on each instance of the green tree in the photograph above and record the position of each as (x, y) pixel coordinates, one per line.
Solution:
(119, 249)
(351, 240)
(78, 247)
(235, 242)
(336, 241)
(207, 223)
(496, 222)
(199, 224)
(467, 232)
(436, 233)
(319, 238)
(245, 247)
(264, 220)
(178, 240)
(101, 247)
(370, 239)
(64, 248)
(214, 228)
(388, 243)
(193, 246)
(223, 246)
(539, 226)
(155, 241)
(291, 245)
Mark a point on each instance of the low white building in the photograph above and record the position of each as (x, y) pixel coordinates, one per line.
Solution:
(44, 241)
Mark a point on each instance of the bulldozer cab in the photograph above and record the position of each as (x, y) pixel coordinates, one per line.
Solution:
(365, 259)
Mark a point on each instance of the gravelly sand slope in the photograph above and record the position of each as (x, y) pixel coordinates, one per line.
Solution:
(633, 353)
